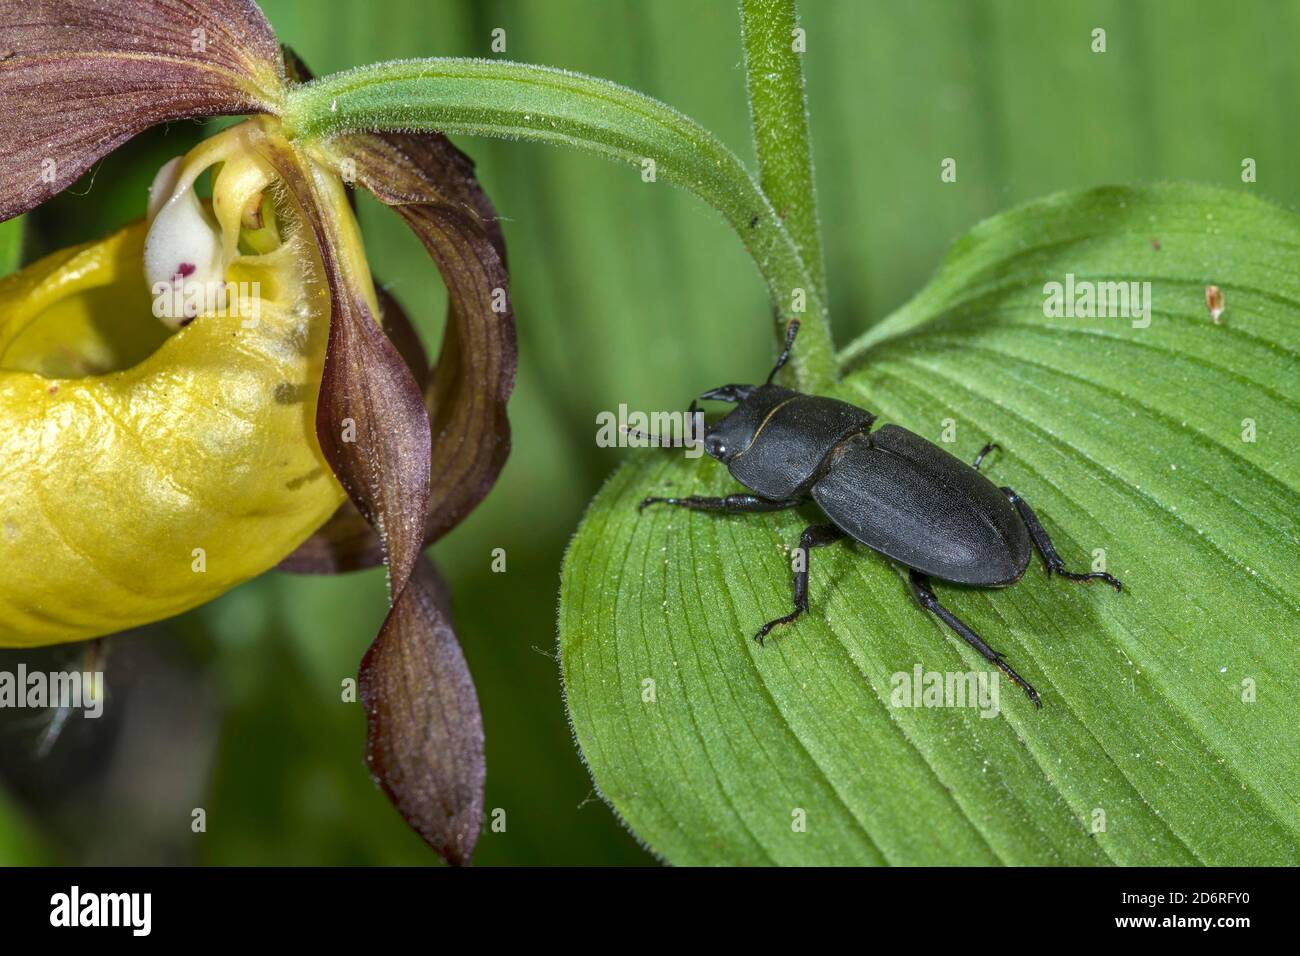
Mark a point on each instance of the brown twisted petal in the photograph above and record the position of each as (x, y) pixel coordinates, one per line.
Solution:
(81, 77)
(431, 184)
(371, 421)
(397, 326)
(424, 740)
(347, 542)
(425, 733)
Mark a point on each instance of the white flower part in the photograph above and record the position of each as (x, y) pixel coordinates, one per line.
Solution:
(183, 261)
(164, 184)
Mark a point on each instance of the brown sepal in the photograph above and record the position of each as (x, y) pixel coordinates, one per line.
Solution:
(81, 77)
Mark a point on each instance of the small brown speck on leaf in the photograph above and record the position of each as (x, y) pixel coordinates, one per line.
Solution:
(1155, 244)
(1215, 303)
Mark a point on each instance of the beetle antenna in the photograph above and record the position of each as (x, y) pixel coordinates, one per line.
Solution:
(694, 432)
(791, 331)
(650, 439)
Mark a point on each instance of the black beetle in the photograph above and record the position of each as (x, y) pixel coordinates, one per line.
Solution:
(889, 489)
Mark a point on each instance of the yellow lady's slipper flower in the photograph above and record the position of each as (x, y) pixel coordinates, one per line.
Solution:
(188, 402)
(142, 474)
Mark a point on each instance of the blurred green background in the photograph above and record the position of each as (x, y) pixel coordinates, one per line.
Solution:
(625, 292)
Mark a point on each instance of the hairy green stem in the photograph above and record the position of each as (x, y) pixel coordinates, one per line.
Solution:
(520, 101)
(778, 111)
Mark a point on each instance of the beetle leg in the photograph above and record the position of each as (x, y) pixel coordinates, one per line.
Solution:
(1044, 545)
(979, 459)
(814, 536)
(791, 331)
(925, 597)
(731, 504)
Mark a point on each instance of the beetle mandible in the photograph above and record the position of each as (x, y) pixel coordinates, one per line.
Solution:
(889, 489)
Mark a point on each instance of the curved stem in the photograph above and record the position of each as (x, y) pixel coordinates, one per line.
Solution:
(520, 101)
(778, 112)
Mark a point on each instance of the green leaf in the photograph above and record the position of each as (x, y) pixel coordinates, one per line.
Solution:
(1168, 710)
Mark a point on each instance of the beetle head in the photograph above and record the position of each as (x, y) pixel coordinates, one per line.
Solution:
(726, 439)
(734, 432)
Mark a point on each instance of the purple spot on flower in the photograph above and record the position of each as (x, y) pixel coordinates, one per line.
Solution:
(186, 269)
(186, 321)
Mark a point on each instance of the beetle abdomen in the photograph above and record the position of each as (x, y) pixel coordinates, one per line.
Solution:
(912, 501)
